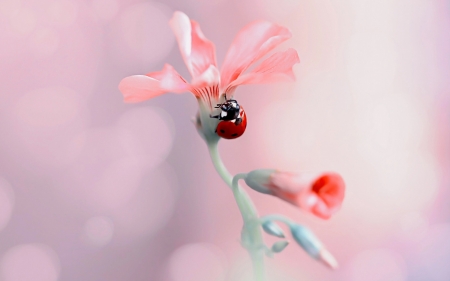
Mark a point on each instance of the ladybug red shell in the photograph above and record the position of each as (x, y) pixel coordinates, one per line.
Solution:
(233, 120)
(232, 129)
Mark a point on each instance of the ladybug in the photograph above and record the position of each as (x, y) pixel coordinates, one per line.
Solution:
(234, 120)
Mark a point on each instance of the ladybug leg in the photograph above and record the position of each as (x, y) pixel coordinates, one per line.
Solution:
(217, 116)
(238, 121)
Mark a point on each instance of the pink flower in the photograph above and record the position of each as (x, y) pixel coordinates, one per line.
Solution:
(252, 43)
(321, 195)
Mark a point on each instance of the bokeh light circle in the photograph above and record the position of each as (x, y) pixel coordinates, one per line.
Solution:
(378, 265)
(115, 184)
(26, 262)
(48, 107)
(152, 134)
(194, 262)
(414, 226)
(98, 231)
(435, 252)
(151, 206)
(111, 163)
(45, 122)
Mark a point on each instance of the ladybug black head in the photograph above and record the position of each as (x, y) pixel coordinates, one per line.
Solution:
(229, 110)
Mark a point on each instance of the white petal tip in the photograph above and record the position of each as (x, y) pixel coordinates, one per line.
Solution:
(328, 259)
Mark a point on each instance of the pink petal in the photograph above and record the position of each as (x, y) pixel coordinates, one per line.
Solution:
(210, 77)
(197, 51)
(310, 202)
(288, 182)
(321, 195)
(252, 42)
(170, 80)
(138, 88)
(329, 191)
(276, 68)
(330, 188)
(321, 210)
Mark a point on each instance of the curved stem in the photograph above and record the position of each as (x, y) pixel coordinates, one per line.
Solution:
(251, 231)
(279, 218)
(236, 178)
(218, 164)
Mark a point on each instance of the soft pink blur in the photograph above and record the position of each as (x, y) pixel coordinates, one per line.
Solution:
(95, 189)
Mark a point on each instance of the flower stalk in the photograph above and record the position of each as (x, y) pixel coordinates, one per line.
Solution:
(251, 235)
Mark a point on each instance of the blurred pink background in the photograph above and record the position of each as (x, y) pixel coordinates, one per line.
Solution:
(95, 189)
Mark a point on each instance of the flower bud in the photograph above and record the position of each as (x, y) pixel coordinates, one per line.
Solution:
(279, 246)
(309, 242)
(320, 194)
(273, 229)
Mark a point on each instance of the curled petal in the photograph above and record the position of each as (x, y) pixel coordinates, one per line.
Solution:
(138, 88)
(328, 190)
(276, 68)
(197, 51)
(170, 80)
(319, 194)
(252, 43)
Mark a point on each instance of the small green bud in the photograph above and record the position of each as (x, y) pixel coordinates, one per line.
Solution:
(272, 228)
(279, 246)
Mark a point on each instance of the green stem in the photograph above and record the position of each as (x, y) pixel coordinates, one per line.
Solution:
(279, 218)
(251, 232)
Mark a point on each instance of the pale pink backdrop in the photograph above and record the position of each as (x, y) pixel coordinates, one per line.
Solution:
(95, 189)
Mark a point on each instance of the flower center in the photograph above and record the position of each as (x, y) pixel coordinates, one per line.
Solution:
(209, 95)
